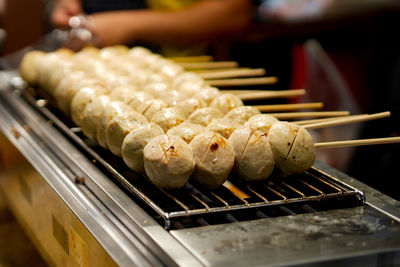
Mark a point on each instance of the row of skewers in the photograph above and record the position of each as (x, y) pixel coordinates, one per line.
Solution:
(172, 124)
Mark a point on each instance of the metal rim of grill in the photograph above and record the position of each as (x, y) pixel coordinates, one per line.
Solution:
(194, 200)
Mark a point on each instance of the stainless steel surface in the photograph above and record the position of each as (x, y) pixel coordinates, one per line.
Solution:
(126, 232)
(367, 235)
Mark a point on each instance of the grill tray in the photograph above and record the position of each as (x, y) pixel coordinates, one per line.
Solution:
(193, 205)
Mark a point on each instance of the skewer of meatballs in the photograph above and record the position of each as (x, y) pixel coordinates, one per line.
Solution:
(196, 131)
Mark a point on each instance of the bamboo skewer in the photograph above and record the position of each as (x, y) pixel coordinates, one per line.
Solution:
(192, 59)
(244, 81)
(222, 74)
(315, 114)
(209, 65)
(263, 94)
(218, 70)
(347, 120)
(288, 107)
(361, 142)
(243, 91)
(306, 122)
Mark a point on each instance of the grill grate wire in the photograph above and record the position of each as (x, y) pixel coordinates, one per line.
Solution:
(193, 205)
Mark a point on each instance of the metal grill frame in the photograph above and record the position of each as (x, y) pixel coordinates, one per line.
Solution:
(342, 189)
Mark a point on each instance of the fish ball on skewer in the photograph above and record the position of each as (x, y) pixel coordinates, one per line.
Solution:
(168, 161)
(226, 102)
(242, 114)
(91, 115)
(66, 90)
(223, 126)
(29, 66)
(187, 131)
(123, 93)
(138, 52)
(262, 122)
(204, 116)
(190, 105)
(190, 88)
(186, 76)
(156, 88)
(168, 118)
(151, 107)
(207, 94)
(120, 126)
(110, 110)
(254, 160)
(292, 146)
(170, 70)
(172, 97)
(134, 143)
(82, 98)
(214, 158)
(138, 98)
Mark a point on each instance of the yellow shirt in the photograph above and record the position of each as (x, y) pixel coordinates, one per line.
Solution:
(168, 4)
(175, 50)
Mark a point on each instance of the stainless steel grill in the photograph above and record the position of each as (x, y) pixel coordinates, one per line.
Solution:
(65, 180)
(194, 205)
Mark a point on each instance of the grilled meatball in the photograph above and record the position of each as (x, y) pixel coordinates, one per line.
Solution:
(151, 107)
(156, 88)
(29, 66)
(170, 70)
(223, 126)
(168, 118)
(242, 114)
(110, 110)
(190, 105)
(186, 76)
(207, 94)
(91, 115)
(254, 160)
(66, 90)
(120, 126)
(214, 159)
(134, 143)
(262, 122)
(190, 88)
(292, 146)
(226, 102)
(172, 97)
(168, 161)
(81, 99)
(204, 116)
(187, 131)
(138, 98)
(123, 93)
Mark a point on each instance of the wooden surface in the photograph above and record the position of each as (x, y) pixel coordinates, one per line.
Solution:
(59, 236)
(15, 247)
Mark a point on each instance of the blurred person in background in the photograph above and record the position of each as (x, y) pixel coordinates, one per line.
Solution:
(167, 22)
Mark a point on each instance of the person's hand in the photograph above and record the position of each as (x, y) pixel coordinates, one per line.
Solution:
(63, 11)
(109, 28)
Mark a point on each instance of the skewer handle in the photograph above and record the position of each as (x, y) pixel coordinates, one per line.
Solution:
(204, 71)
(244, 81)
(287, 107)
(347, 120)
(362, 142)
(315, 114)
(306, 122)
(209, 65)
(222, 74)
(264, 94)
(192, 59)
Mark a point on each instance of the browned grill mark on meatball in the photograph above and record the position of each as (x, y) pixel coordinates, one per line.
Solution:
(293, 141)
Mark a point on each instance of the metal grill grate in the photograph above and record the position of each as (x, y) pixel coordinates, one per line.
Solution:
(193, 205)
